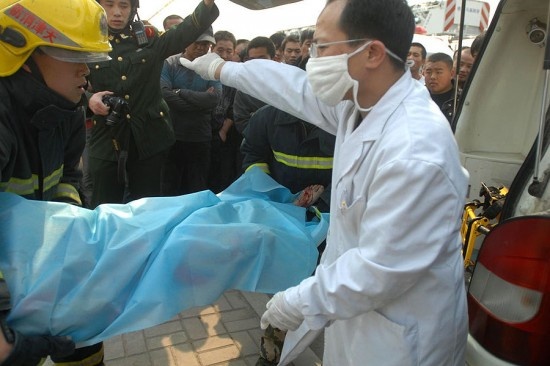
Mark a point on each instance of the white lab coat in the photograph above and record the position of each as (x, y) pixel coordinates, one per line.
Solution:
(391, 278)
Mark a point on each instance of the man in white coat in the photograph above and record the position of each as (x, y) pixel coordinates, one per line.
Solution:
(390, 287)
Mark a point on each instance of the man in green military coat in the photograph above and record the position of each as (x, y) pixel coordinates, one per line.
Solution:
(132, 131)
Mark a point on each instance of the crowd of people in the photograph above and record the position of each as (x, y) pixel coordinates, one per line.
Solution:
(443, 75)
(331, 111)
(208, 120)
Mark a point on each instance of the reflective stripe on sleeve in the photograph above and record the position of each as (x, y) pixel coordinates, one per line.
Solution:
(67, 192)
(262, 166)
(304, 162)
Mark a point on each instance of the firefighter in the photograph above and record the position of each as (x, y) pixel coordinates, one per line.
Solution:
(44, 47)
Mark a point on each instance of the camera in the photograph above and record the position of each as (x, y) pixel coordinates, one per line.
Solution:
(119, 108)
(536, 32)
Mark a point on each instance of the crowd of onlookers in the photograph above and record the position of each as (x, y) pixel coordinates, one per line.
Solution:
(443, 75)
(209, 120)
(209, 123)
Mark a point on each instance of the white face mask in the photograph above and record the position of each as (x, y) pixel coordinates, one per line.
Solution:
(330, 79)
(329, 76)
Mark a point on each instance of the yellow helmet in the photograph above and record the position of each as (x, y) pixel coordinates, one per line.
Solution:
(68, 30)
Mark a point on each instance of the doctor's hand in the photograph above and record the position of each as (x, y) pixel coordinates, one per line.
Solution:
(205, 66)
(281, 314)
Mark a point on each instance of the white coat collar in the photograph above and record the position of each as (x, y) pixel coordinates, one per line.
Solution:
(356, 143)
(373, 124)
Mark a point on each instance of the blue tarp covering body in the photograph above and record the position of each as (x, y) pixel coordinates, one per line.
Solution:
(93, 274)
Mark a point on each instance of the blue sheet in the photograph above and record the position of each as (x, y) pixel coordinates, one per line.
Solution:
(93, 274)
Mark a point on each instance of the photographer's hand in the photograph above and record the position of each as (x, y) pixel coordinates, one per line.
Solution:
(96, 105)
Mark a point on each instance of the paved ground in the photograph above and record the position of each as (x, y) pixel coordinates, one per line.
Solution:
(225, 333)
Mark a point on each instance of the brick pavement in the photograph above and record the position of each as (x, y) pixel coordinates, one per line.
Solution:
(224, 333)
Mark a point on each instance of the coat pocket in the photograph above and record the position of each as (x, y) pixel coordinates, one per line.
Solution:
(387, 342)
(351, 208)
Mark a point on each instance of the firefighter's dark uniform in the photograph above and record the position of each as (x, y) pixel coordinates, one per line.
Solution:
(145, 132)
(296, 154)
(41, 141)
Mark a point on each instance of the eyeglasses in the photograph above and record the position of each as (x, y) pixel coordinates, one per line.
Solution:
(313, 49)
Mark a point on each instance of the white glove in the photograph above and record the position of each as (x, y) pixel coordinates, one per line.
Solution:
(205, 66)
(281, 314)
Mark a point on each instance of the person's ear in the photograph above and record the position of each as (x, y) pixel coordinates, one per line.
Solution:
(376, 53)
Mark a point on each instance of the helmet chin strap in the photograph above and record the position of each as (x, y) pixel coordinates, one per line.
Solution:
(35, 70)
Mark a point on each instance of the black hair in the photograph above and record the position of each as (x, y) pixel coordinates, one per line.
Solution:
(225, 36)
(293, 37)
(389, 21)
(170, 17)
(441, 57)
(464, 48)
(277, 38)
(134, 4)
(422, 48)
(477, 43)
(259, 42)
(243, 55)
(306, 34)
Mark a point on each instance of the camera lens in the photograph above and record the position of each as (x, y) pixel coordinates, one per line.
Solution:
(118, 108)
(536, 31)
(113, 118)
(537, 35)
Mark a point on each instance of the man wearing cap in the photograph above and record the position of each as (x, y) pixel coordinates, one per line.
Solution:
(191, 100)
(45, 47)
(126, 157)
